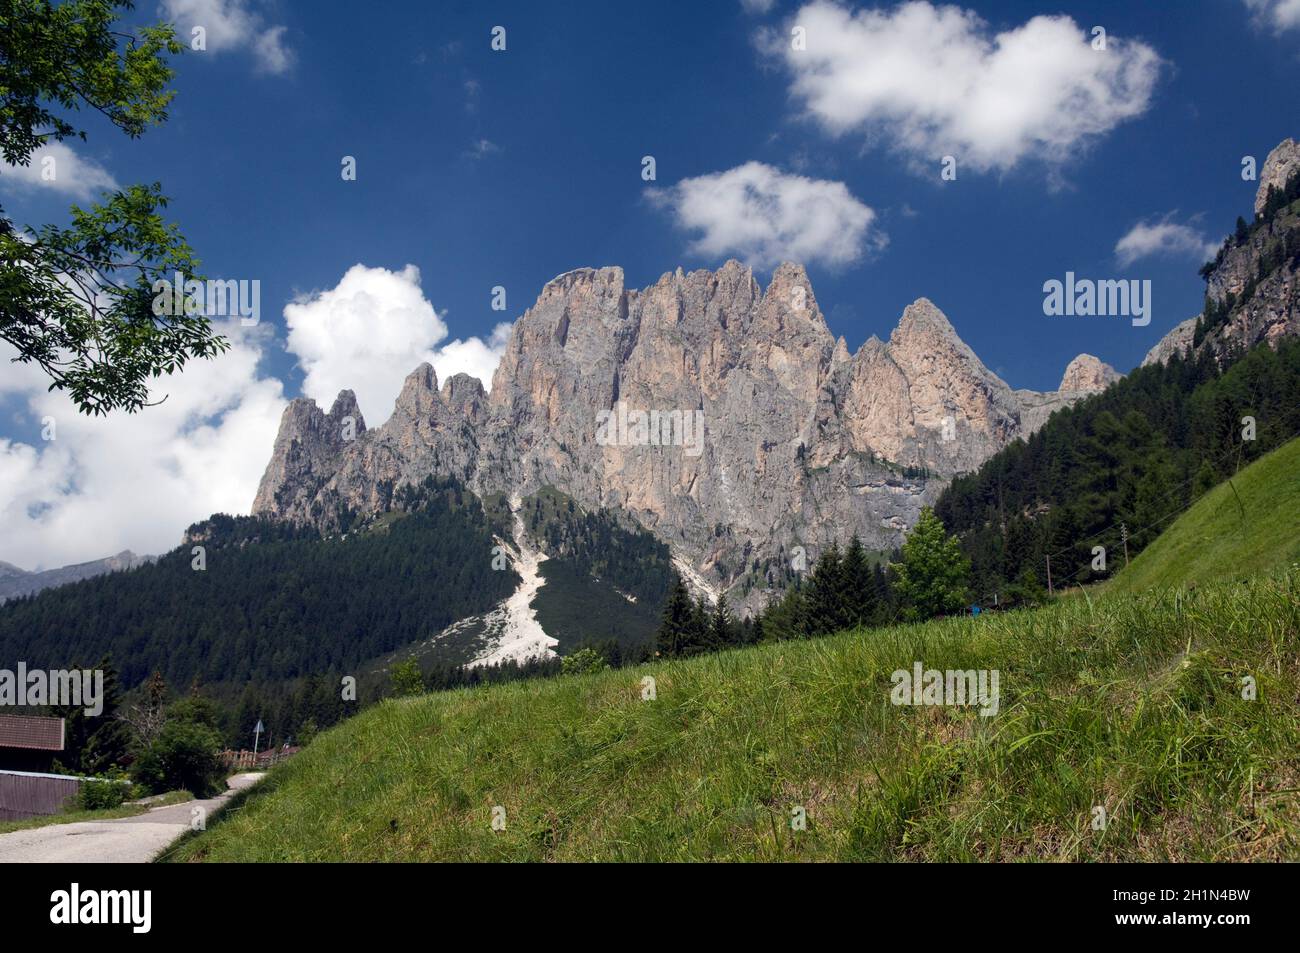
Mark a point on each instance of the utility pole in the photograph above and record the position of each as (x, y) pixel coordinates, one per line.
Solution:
(1123, 534)
(1049, 574)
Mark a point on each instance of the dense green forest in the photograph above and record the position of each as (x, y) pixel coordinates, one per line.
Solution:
(596, 543)
(273, 602)
(605, 580)
(1120, 465)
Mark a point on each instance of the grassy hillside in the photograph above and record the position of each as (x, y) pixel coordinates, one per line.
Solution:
(1247, 526)
(1131, 702)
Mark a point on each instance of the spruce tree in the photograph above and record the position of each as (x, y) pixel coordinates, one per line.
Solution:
(697, 630)
(826, 596)
(720, 625)
(673, 632)
(859, 585)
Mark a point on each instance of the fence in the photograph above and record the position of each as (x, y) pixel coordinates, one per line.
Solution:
(24, 795)
(246, 760)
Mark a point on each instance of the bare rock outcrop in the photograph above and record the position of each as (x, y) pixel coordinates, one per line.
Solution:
(1252, 288)
(720, 415)
(1280, 165)
(1088, 374)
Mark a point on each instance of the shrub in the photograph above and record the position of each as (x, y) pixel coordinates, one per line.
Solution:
(98, 794)
(406, 679)
(583, 662)
(184, 756)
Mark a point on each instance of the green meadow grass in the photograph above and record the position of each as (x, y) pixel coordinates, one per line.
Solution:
(1248, 525)
(1132, 703)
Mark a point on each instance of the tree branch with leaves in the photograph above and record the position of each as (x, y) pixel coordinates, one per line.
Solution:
(78, 301)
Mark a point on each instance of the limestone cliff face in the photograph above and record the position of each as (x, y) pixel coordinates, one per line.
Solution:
(1088, 375)
(1259, 276)
(1280, 165)
(306, 453)
(801, 442)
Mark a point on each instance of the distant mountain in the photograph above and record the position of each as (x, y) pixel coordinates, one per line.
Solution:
(16, 582)
(790, 441)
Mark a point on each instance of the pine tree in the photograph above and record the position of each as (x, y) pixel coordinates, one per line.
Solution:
(109, 744)
(720, 625)
(697, 630)
(826, 595)
(673, 633)
(859, 585)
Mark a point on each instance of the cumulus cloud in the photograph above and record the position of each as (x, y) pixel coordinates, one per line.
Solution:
(135, 482)
(935, 81)
(55, 166)
(232, 25)
(1277, 15)
(1148, 239)
(764, 216)
(371, 330)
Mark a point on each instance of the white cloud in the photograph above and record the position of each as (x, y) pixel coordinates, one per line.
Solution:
(55, 166)
(105, 484)
(371, 330)
(764, 216)
(935, 81)
(758, 6)
(481, 149)
(232, 25)
(1146, 239)
(1278, 15)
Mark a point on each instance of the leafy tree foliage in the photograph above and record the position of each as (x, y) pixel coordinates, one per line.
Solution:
(184, 756)
(933, 574)
(78, 301)
(584, 661)
(406, 679)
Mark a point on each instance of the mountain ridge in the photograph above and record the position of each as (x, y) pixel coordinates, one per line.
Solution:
(16, 581)
(803, 441)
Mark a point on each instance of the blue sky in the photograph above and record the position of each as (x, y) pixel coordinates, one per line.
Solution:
(485, 168)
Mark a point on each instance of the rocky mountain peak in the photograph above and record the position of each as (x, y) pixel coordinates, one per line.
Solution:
(1089, 374)
(463, 395)
(1281, 163)
(419, 394)
(922, 316)
(345, 406)
(791, 442)
(1252, 282)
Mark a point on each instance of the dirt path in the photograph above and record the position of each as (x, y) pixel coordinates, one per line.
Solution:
(125, 840)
